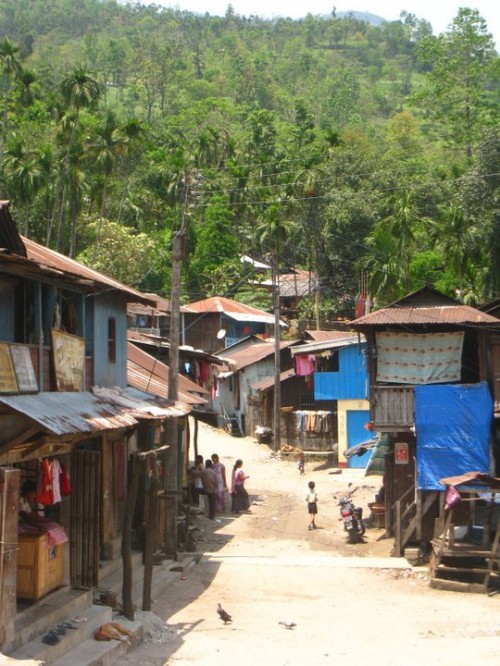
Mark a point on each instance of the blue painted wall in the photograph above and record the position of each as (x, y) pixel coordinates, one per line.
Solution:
(357, 433)
(104, 307)
(351, 380)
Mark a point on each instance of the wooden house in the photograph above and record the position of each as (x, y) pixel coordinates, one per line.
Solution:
(249, 361)
(338, 383)
(219, 322)
(430, 392)
(64, 398)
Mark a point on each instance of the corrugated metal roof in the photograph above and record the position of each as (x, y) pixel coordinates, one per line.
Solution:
(224, 305)
(70, 413)
(314, 347)
(268, 382)
(324, 336)
(436, 315)
(241, 358)
(161, 306)
(47, 257)
(157, 342)
(148, 374)
(90, 413)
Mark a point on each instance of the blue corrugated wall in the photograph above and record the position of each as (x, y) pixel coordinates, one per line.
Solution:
(351, 380)
(104, 307)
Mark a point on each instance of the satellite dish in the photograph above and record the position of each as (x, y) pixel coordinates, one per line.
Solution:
(221, 334)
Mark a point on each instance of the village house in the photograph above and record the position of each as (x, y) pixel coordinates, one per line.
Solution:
(336, 372)
(218, 322)
(195, 365)
(250, 360)
(69, 422)
(150, 319)
(429, 363)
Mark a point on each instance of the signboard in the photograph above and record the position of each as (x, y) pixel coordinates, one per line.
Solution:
(69, 360)
(401, 455)
(25, 372)
(8, 381)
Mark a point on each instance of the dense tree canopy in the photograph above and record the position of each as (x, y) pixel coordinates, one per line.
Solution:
(335, 145)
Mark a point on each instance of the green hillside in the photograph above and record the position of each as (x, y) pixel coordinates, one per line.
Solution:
(367, 153)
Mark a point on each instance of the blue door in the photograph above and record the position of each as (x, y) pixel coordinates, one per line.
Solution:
(357, 433)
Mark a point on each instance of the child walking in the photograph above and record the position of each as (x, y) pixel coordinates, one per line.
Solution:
(312, 505)
(301, 462)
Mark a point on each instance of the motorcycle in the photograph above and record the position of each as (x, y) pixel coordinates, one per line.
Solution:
(352, 517)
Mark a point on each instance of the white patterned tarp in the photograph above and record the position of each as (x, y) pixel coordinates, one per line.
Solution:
(426, 358)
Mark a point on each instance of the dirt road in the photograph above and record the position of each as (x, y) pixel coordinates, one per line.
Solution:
(350, 605)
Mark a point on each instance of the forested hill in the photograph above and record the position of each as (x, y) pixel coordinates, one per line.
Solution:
(367, 153)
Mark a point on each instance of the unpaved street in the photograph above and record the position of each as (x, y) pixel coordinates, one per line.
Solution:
(265, 567)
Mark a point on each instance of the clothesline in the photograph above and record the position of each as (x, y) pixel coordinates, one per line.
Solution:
(313, 421)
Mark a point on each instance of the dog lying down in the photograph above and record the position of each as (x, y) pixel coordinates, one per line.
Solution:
(113, 631)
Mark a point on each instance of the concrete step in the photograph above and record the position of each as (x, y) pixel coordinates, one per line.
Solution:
(48, 654)
(78, 646)
(101, 653)
(96, 653)
(57, 607)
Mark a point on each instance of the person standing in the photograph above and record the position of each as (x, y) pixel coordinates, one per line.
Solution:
(240, 496)
(221, 491)
(312, 505)
(209, 481)
(195, 483)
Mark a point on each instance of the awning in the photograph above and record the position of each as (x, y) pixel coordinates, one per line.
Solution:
(84, 412)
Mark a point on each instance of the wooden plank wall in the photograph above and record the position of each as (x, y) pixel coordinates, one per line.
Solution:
(85, 519)
(9, 518)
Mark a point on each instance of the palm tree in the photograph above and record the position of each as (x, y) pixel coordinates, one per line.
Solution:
(24, 176)
(79, 91)
(107, 145)
(460, 241)
(10, 66)
(26, 79)
(132, 134)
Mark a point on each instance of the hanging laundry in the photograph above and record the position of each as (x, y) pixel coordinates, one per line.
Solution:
(304, 364)
(64, 482)
(204, 373)
(44, 485)
(55, 472)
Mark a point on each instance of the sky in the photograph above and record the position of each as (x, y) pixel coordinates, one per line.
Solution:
(440, 13)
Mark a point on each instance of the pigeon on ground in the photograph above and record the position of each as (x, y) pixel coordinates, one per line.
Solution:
(288, 624)
(225, 617)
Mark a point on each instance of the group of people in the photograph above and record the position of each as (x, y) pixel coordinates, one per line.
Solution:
(208, 478)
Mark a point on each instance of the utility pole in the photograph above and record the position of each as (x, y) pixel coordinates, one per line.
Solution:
(172, 461)
(277, 358)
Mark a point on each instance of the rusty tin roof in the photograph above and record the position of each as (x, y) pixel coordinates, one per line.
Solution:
(46, 257)
(439, 315)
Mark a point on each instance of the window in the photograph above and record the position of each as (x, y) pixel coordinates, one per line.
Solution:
(112, 340)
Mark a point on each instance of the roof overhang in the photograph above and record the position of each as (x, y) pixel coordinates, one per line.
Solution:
(87, 413)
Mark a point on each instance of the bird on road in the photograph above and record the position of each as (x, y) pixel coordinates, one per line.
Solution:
(288, 624)
(225, 617)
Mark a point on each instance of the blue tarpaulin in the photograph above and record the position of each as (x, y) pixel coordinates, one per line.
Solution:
(453, 427)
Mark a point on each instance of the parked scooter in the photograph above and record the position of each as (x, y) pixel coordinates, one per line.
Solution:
(352, 517)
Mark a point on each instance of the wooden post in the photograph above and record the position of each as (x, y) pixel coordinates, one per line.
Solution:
(172, 460)
(9, 518)
(149, 536)
(277, 357)
(135, 471)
